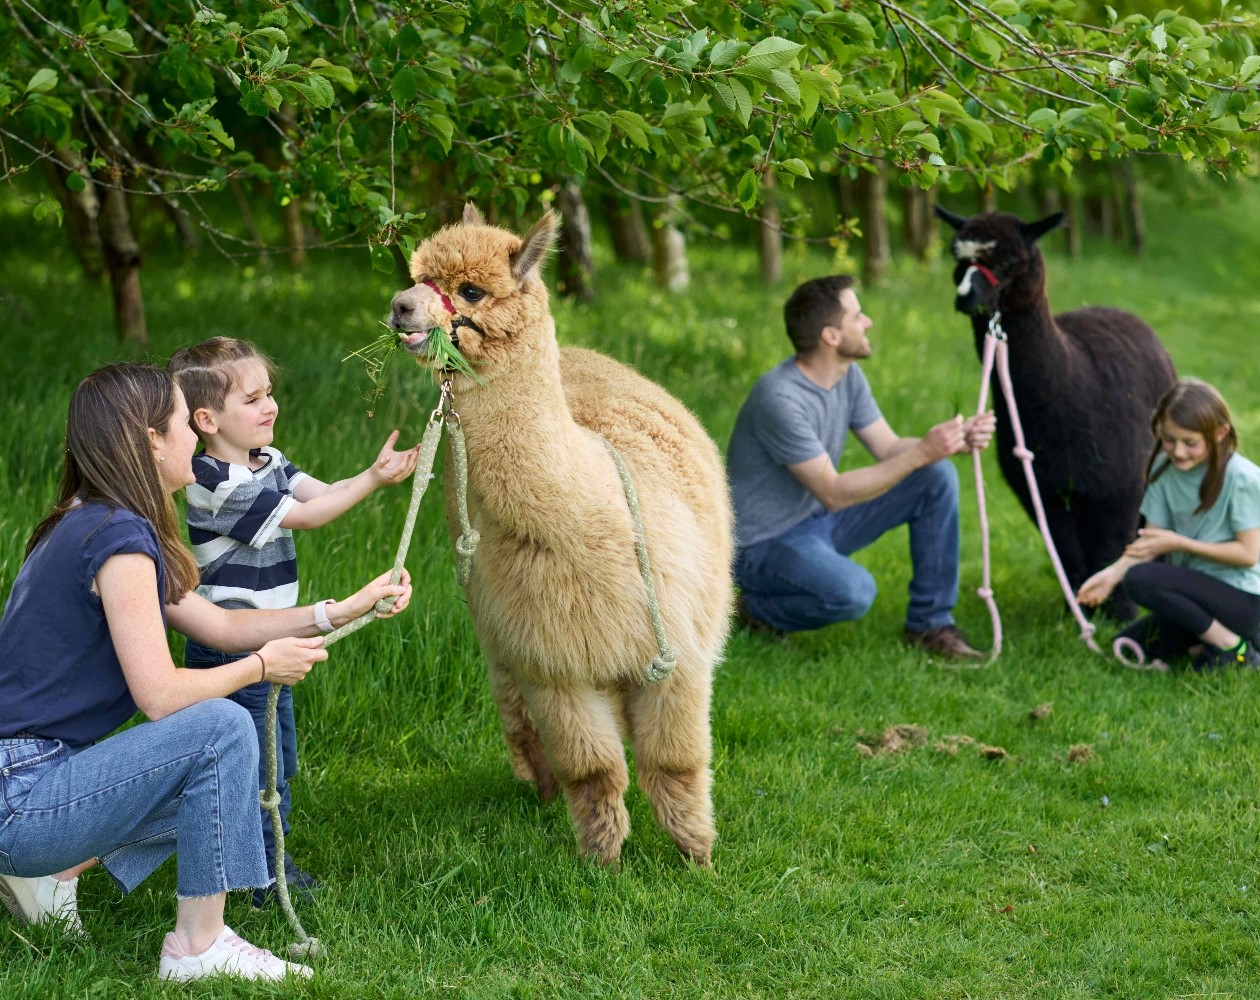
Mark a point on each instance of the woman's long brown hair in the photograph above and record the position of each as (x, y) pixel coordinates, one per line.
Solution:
(109, 460)
(1197, 407)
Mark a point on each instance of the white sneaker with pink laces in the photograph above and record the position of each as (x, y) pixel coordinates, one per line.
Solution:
(229, 955)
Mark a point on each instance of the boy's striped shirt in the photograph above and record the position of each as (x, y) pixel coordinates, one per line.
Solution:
(234, 516)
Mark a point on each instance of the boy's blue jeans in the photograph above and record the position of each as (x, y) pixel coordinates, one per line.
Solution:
(254, 700)
(182, 785)
(804, 579)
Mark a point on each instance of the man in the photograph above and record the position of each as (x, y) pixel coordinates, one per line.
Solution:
(798, 520)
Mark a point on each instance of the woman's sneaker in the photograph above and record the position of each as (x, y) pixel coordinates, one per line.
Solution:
(229, 955)
(43, 900)
(1214, 658)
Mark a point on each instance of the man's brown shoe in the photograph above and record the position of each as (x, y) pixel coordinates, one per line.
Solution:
(947, 642)
(755, 626)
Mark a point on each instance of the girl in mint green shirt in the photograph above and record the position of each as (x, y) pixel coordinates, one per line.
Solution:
(1194, 565)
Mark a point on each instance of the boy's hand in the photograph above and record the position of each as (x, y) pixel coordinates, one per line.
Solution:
(393, 466)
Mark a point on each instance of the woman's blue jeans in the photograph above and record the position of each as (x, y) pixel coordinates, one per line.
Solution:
(804, 579)
(184, 785)
(254, 700)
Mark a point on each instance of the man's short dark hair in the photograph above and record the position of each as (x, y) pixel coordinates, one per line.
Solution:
(811, 307)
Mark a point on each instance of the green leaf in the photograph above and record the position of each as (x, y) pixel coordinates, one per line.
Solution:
(723, 53)
(75, 181)
(382, 258)
(747, 190)
(786, 84)
(1043, 118)
(43, 81)
(403, 89)
(825, 138)
(1004, 8)
(1159, 37)
(633, 127)
(317, 90)
(1248, 70)
(339, 73)
(443, 128)
(797, 167)
(772, 53)
(850, 24)
(117, 40)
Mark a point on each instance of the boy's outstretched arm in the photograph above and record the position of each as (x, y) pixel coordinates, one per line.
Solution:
(318, 503)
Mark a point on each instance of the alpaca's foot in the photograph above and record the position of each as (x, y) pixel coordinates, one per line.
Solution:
(599, 815)
(680, 800)
(529, 764)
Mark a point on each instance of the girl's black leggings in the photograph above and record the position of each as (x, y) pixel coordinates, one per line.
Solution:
(1183, 603)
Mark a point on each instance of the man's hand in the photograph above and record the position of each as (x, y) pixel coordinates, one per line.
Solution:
(393, 466)
(978, 431)
(944, 440)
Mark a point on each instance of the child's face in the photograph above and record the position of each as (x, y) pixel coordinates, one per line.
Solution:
(1186, 449)
(248, 417)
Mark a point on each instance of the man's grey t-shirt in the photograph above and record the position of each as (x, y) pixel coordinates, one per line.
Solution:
(787, 419)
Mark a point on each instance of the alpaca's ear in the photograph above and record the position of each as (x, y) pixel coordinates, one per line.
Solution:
(1033, 231)
(538, 242)
(472, 216)
(956, 221)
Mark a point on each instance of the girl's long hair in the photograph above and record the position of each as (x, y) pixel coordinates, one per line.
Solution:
(109, 460)
(1197, 407)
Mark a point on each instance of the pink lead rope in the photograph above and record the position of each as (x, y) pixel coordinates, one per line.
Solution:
(996, 348)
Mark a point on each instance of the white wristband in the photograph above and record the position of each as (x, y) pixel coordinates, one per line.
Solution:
(321, 615)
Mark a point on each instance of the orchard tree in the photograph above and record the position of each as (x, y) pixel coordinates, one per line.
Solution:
(369, 114)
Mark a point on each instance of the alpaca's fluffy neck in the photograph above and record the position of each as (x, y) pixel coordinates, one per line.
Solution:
(527, 459)
(1038, 347)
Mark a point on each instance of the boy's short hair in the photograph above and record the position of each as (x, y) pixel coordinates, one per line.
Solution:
(811, 307)
(206, 372)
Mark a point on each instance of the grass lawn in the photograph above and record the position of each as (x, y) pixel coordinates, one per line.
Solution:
(1124, 868)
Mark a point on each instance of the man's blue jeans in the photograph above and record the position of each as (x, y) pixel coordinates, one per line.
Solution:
(804, 579)
(183, 785)
(254, 700)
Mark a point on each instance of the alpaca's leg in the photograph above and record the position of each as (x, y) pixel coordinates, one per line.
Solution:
(669, 723)
(1064, 527)
(579, 729)
(525, 748)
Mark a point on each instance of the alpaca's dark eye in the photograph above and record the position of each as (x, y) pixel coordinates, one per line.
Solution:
(471, 292)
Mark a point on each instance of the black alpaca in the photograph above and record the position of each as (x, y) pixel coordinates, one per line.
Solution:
(1086, 383)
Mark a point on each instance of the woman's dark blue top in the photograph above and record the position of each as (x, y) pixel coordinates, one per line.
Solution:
(59, 674)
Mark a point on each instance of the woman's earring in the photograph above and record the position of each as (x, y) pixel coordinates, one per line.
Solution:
(161, 458)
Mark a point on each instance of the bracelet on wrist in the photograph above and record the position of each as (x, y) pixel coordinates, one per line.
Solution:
(322, 621)
(263, 676)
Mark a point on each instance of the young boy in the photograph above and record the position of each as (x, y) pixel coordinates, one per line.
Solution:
(241, 514)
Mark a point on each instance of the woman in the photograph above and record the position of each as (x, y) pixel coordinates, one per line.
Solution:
(83, 646)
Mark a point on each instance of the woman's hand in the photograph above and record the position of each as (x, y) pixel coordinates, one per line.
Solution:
(287, 661)
(1151, 543)
(1098, 587)
(365, 600)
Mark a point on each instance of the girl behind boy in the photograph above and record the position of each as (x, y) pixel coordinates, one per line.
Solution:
(1194, 564)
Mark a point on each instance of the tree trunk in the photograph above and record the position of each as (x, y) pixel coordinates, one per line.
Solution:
(247, 215)
(771, 232)
(576, 269)
(1072, 206)
(846, 196)
(1136, 222)
(920, 220)
(988, 198)
(626, 228)
(291, 211)
(669, 251)
(123, 258)
(82, 211)
(875, 255)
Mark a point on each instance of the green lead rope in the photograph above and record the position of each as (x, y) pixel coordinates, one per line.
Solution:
(307, 946)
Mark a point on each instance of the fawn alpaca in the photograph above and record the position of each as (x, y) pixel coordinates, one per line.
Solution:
(555, 592)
